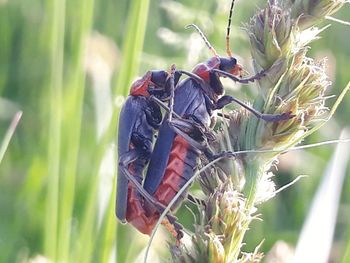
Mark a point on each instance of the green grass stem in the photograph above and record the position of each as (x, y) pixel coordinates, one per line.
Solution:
(58, 8)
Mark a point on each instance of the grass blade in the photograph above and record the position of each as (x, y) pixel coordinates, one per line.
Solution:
(57, 10)
(9, 134)
(133, 44)
(317, 234)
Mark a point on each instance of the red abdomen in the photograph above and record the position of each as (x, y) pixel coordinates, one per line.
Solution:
(180, 168)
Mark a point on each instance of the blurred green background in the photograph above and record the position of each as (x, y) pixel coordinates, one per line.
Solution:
(67, 65)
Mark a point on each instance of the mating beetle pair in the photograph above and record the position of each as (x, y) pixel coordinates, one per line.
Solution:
(182, 137)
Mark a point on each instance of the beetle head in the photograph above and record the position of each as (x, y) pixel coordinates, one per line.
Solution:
(140, 86)
(156, 83)
(159, 78)
(231, 66)
(160, 84)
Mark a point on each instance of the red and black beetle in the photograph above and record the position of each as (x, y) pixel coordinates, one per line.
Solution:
(138, 120)
(181, 140)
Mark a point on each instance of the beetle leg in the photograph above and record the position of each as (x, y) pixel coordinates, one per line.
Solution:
(153, 114)
(164, 106)
(185, 124)
(172, 91)
(193, 76)
(124, 162)
(228, 99)
(189, 131)
(206, 87)
(174, 76)
(203, 147)
(194, 135)
(174, 227)
(223, 101)
(258, 76)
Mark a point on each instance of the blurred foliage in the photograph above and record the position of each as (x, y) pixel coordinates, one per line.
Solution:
(49, 175)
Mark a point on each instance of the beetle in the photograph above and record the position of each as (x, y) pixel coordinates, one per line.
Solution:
(182, 139)
(139, 118)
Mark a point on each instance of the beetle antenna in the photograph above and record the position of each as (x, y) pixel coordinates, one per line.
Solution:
(228, 50)
(203, 37)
